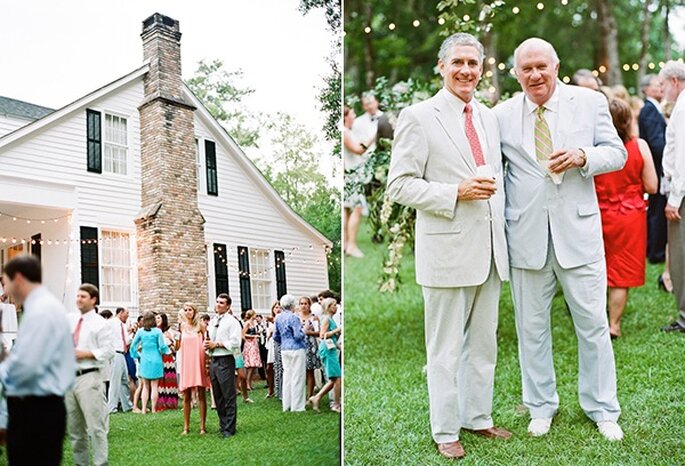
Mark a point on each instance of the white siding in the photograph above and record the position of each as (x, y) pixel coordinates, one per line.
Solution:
(243, 214)
(9, 124)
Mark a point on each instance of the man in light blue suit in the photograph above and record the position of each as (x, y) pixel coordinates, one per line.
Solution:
(555, 138)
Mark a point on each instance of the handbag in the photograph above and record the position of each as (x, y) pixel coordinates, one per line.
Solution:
(330, 344)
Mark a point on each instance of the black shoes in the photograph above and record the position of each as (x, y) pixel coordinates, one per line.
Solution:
(673, 327)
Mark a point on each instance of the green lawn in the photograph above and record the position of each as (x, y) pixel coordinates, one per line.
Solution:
(265, 435)
(386, 404)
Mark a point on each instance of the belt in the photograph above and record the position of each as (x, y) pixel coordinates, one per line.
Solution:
(222, 356)
(81, 372)
(121, 352)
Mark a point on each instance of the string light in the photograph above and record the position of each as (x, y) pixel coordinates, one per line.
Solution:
(416, 23)
(29, 219)
(540, 6)
(516, 10)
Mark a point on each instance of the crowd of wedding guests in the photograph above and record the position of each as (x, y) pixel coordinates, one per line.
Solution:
(91, 364)
(632, 201)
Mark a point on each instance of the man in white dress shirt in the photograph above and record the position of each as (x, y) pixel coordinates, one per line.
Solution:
(223, 345)
(118, 383)
(555, 138)
(673, 76)
(365, 126)
(39, 370)
(87, 415)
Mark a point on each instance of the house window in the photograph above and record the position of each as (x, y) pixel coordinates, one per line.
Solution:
(244, 278)
(116, 267)
(210, 158)
(260, 278)
(94, 141)
(198, 165)
(115, 144)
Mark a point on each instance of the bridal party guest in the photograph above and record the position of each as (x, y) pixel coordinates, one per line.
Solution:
(290, 336)
(624, 215)
(251, 348)
(310, 326)
(194, 374)
(151, 368)
(328, 352)
(168, 386)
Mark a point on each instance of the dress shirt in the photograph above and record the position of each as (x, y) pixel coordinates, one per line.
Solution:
(365, 128)
(457, 105)
(118, 327)
(225, 329)
(42, 360)
(674, 153)
(551, 115)
(656, 103)
(289, 333)
(96, 336)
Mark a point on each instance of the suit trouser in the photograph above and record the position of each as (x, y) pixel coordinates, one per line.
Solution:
(461, 352)
(656, 228)
(222, 375)
(88, 419)
(294, 378)
(35, 433)
(585, 292)
(118, 385)
(676, 251)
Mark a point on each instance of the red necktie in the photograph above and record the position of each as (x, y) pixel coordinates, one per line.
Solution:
(472, 136)
(77, 332)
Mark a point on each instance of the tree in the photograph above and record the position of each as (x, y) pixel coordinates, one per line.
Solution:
(222, 93)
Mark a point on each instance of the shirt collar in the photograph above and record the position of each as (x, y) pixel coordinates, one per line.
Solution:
(457, 105)
(655, 102)
(552, 105)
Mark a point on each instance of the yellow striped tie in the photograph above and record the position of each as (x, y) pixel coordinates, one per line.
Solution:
(543, 139)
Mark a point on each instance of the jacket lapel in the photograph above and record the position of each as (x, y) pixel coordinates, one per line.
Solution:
(450, 124)
(519, 114)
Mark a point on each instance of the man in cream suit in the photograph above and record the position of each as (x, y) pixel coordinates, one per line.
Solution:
(555, 138)
(446, 163)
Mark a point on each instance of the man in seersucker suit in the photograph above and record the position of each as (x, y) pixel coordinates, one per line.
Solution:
(555, 138)
(446, 163)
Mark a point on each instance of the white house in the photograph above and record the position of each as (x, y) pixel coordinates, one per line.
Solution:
(72, 189)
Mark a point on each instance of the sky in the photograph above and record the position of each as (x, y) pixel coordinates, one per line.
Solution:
(54, 52)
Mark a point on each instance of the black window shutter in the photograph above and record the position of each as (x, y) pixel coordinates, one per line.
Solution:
(220, 268)
(210, 158)
(36, 246)
(281, 286)
(244, 274)
(94, 130)
(89, 256)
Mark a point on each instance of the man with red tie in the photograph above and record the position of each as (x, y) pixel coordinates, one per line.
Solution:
(446, 163)
(118, 382)
(87, 416)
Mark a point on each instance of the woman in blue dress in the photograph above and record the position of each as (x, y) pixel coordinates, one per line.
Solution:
(150, 340)
(328, 352)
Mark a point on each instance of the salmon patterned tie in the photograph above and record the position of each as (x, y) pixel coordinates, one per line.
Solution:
(472, 136)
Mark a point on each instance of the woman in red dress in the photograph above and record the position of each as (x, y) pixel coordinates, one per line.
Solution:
(624, 215)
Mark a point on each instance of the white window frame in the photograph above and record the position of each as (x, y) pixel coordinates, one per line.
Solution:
(199, 164)
(267, 281)
(105, 143)
(131, 267)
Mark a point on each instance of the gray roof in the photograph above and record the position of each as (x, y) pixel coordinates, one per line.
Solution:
(19, 109)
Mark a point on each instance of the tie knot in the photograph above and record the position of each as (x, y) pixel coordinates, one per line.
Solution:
(467, 108)
(540, 111)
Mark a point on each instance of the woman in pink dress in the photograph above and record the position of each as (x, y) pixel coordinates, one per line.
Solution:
(251, 348)
(193, 373)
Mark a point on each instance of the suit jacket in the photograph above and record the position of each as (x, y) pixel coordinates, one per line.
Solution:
(535, 206)
(455, 240)
(652, 127)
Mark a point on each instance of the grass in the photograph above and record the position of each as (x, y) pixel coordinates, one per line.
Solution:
(265, 435)
(386, 404)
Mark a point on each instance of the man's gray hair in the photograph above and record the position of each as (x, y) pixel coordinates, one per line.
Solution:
(460, 38)
(584, 73)
(288, 301)
(673, 69)
(540, 43)
(368, 95)
(646, 80)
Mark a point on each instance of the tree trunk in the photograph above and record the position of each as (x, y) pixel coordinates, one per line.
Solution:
(667, 31)
(370, 75)
(490, 45)
(608, 43)
(644, 39)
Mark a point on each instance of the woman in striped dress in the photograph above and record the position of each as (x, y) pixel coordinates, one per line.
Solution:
(168, 386)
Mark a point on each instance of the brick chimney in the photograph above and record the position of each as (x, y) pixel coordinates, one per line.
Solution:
(172, 258)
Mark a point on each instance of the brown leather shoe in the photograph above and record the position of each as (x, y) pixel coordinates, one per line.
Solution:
(492, 432)
(451, 450)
